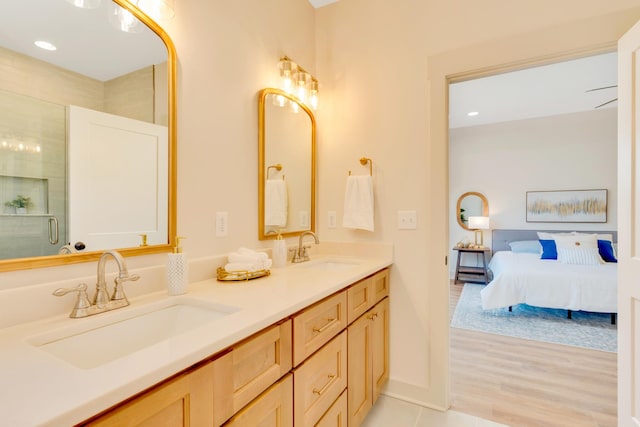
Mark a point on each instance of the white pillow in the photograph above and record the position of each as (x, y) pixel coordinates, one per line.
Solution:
(550, 236)
(605, 236)
(577, 241)
(579, 256)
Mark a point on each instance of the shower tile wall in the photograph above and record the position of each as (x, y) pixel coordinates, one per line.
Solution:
(48, 89)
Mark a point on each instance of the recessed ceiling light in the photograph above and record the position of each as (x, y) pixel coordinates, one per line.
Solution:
(473, 114)
(45, 45)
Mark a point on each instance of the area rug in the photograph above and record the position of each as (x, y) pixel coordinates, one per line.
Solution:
(587, 330)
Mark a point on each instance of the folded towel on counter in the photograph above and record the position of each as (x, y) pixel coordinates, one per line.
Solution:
(276, 203)
(247, 255)
(248, 266)
(247, 260)
(358, 203)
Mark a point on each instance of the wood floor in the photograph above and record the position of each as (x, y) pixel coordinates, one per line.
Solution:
(525, 383)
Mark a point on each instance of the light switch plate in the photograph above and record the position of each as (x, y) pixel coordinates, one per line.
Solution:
(222, 224)
(331, 219)
(407, 220)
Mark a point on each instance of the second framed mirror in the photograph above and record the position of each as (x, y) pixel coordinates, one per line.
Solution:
(286, 165)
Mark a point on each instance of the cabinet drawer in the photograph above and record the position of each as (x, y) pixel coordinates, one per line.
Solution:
(316, 325)
(380, 285)
(366, 293)
(319, 381)
(250, 368)
(273, 408)
(359, 299)
(336, 415)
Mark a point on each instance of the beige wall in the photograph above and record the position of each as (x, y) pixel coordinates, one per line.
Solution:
(382, 67)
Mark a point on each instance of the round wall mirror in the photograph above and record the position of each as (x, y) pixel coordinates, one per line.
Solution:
(469, 204)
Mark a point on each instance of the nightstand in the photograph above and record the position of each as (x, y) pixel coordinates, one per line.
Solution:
(471, 274)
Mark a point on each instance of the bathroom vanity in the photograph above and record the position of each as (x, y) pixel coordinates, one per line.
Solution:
(323, 365)
(307, 345)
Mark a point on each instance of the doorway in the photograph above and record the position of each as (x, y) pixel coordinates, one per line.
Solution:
(502, 152)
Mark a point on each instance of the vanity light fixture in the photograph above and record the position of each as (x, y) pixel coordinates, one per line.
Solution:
(85, 4)
(124, 20)
(472, 114)
(298, 82)
(159, 10)
(45, 45)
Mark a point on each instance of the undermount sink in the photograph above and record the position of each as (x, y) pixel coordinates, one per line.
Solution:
(332, 264)
(96, 343)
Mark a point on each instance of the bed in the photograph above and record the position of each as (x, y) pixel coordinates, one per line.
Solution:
(522, 277)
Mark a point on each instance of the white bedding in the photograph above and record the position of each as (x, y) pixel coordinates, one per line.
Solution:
(525, 278)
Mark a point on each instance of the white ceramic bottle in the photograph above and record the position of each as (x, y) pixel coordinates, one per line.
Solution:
(279, 254)
(177, 270)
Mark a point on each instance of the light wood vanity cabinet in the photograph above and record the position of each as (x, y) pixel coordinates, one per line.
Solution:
(182, 401)
(251, 367)
(368, 360)
(324, 366)
(272, 408)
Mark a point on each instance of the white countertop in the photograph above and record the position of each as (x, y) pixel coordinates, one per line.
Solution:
(39, 389)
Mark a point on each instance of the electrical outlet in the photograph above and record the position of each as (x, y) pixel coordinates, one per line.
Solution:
(331, 219)
(304, 218)
(222, 224)
(407, 220)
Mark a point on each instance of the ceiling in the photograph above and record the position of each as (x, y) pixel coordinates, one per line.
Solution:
(87, 43)
(548, 90)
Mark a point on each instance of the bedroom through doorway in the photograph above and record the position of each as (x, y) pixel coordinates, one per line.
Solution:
(545, 128)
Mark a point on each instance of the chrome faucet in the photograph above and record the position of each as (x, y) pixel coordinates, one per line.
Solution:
(101, 301)
(301, 254)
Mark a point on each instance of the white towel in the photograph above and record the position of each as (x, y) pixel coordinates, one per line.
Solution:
(244, 255)
(358, 203)
(275, 203)
(247, 266)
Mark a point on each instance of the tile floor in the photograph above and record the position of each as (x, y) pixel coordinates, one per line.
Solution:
(390, 412)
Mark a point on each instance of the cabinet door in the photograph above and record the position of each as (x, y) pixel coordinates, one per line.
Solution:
(359, 387)
(273, 408)
(319, 381)
(184, 401)
(368, 343)
(380, 346)
(337, 415)
(250, 368)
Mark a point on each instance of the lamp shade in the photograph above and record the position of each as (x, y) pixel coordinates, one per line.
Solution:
(479, 222)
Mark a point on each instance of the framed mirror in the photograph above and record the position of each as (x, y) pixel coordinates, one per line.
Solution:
(471, 204)
(286, 165)
(87, 133)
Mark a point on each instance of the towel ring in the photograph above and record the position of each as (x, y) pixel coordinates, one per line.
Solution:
(277, 167)
(363, 162)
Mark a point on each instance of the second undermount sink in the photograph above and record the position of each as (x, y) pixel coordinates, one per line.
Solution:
(332, 264)
(98, 343)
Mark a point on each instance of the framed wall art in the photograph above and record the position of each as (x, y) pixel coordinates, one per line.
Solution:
(567, 206)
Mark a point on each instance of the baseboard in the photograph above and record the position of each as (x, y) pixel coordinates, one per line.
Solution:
(410, 393)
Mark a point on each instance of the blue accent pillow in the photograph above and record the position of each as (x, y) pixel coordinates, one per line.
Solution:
(549, 250)
(526, 246)
(605, 248)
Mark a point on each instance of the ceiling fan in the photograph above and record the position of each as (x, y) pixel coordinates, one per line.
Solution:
(601, 88)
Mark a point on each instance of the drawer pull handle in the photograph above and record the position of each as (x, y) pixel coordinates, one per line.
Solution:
(324, 387)
(372, 316)
(329, 323)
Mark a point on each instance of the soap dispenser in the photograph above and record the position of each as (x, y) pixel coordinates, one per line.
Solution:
(177, 270)
(279, 253)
